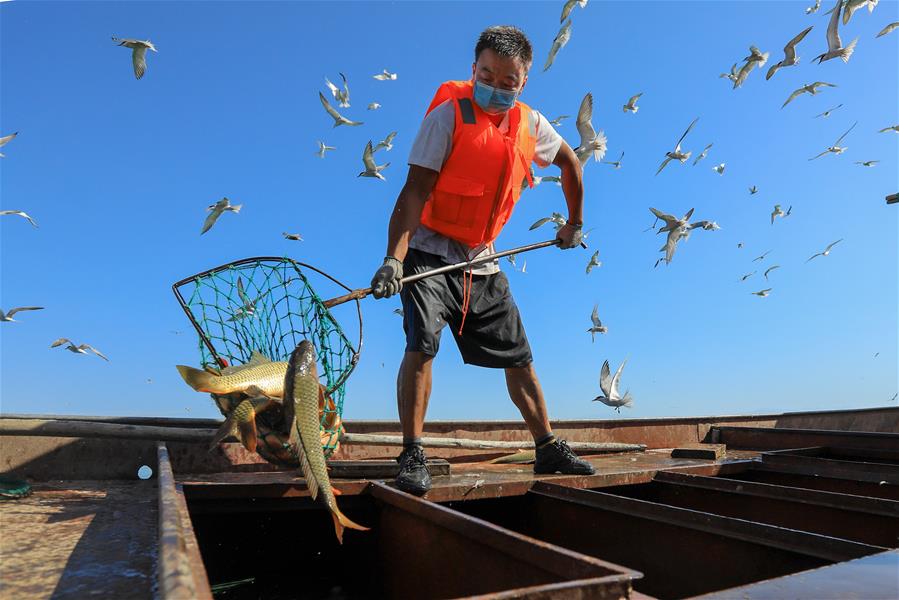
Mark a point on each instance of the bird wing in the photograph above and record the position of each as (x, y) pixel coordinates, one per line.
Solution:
(664, 163)
(389, 139)
(677, 148)
(368, 158)
(566, 10)
(211, 219)
(793, 96)
(790, 48)
(346, 88)
(833, 28)
(669, 219)
(584, 115)
(744, 73)
(702, 154)
(13, 311)
(832, 245)
(605, 381)
(888, 29)
(594, 317)
(845, 134)
(332, 87)
(671, 243)
(60, 342)
(633, 100)
(5, 139)
(616, 379)
(772, 70)
(540, 223)
(820, 155)
(94, 350)
(814, 255)
(329, 109)
(139, 59)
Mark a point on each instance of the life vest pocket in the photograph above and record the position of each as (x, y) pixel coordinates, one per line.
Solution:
(454, 199)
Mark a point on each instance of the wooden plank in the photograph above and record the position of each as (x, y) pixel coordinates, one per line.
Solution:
(180, 570)
(378, 469)
(703, 451)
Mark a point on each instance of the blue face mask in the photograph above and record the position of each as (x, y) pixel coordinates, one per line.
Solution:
(493, 100)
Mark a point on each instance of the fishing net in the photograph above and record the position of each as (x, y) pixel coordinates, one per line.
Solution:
(267, 305)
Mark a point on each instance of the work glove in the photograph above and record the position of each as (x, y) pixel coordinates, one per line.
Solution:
(570, 236)
(387, 279)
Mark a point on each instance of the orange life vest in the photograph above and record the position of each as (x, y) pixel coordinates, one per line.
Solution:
(481, 180)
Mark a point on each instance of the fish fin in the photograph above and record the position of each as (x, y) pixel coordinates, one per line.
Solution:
(335, 491)
(199, 380)
(221, 433)
(341, 521)
(311, 481)
(258, 358)
(247, 430)
(212, 370)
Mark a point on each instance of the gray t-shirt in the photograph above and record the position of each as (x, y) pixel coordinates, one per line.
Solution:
(431, 148)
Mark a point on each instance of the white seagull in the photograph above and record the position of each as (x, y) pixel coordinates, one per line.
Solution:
(216, 210)
(322, 148)
(5, 140)
(888, 29)
(890, 128)
(827, 112)
(677, 154)
(80, 349)
(753, 191)
(769, 269)
(809, 88)
(790, 58)
(762, 293)
(756, 55)
(558, 43)
(703, 154)
(373, 106)
(342, 96)
(732, 75)
(836, 148)
(826, 250)
(558, 120)
(594, 262)
(7, 317)
(719, 169)
(138, 53)
(386, 143)
(568, 6)
(556, 219)
(597, 327)
(813, 9)
(592, 142)
(385, 75)
(609, 387)
(339, 119)
(615, 163)
(296, 237)
(631, 105)
(19, 213)
(867, 163)
(835, 47)
(371, 169)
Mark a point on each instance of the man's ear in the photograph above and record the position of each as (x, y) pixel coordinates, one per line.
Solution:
(474, 67)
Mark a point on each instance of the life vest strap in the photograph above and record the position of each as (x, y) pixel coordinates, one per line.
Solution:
(467, 111)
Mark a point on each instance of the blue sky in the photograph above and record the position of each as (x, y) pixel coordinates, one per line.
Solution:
(118, 172)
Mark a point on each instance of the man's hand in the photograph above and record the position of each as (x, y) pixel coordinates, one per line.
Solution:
(569, 236)
(387, 279)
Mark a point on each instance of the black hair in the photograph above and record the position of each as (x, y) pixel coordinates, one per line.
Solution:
(505, 40)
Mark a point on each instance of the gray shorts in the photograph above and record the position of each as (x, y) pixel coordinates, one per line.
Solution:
(493, 335)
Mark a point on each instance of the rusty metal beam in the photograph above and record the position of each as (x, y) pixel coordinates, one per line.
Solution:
(180, 571)
(762, 438)
(823, 467)
(795, 477)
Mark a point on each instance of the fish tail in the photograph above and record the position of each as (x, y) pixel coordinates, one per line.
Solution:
(341, 522)
(199, 380)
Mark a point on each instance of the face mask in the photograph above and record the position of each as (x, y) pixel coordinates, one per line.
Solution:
(493, 100)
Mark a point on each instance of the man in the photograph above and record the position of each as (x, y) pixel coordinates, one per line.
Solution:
(468, 164)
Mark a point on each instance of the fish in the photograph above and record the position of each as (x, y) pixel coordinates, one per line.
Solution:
(522, 457)
(303, 393)
(259, 371)
(242, 421)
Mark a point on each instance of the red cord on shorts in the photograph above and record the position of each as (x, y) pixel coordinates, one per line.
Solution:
(467, 283)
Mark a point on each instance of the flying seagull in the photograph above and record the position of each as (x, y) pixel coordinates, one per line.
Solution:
(753, 191)
(762, 293)
(216, 210)
(556, 218)
(747, 276)
(790, 58)
(296, 237)
(609, 387)
(867, 163)
(138, 53)
(703, 154)
(81, 349)
(732, 75)
(342, 96)
(631, 105)
(553, 179)
(827, 112)
(561, 39)
(809, 88)
(762, 257)
(385, 75)
(744, 72)
(615, 163)
(592, 142)
(676, 228)
(568, 6)
(7, 317)
(371, 169)
(769, 269)
(836, 148)
(19, 213)
(813, 9)
(888, 29)
(677, 154)
(826, 250)
(853, 5)
(558, 120)
(399, 311)
(835, 47)
(777, 212)
(756, 55)
(5, 140)
(386, 143)
(339, 119)
(594, 262)
(322, 148)
(597, 327)
(890, 128)
(719, 169)
(373, 106)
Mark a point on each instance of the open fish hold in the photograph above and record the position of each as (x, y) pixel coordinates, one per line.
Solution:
(302, 397)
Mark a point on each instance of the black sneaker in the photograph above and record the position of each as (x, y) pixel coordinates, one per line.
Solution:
(557, 457)
(414, 476)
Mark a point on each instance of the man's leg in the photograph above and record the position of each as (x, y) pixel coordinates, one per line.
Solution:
(552, 455)
(413, 389)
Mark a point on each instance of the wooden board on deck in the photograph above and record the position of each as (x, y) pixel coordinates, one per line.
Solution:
(378, 469)
(704, 451)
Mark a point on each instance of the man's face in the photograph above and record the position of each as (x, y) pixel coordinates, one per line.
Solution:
(503, 72)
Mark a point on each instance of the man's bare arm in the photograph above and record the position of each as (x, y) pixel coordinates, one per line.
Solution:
(407, 211)
(572, 183)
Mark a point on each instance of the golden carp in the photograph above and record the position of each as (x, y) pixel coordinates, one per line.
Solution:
(302, 392)
(259, 372)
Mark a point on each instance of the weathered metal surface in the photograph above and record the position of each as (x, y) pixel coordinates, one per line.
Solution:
(491, 558)
(789, 513)
(82, 429)
(824, 467)
(788, 476)
(874, 506)
(180, 571)
(890, 457)
(874, 577)
(78, 539)
(761, 438)
(703, 451)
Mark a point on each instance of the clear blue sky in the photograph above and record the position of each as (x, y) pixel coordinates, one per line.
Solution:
(118, 173)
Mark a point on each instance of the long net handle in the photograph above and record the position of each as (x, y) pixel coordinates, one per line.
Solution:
(363, 292)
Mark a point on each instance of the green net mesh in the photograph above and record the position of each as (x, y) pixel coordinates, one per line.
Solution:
(267, 305)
